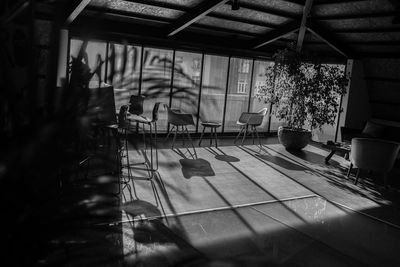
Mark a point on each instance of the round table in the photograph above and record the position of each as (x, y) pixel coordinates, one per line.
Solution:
(213, 129)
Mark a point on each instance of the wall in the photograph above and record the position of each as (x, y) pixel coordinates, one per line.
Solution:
(356, 105)
(382, 76)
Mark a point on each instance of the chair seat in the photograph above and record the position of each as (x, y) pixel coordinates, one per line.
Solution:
(241, 123)
(211, 124)
(138, 118)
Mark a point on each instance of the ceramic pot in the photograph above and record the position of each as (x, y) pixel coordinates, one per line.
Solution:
(295, 139)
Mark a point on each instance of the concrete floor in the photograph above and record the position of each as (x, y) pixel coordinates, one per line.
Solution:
(256, 206)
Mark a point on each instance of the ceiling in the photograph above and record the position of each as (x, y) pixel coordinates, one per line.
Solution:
(342, 29)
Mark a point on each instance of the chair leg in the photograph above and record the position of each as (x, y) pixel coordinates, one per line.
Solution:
(349, 171)
(245, 133)
(216, 137)
(211, 136)
(237, 137)
(201, 136)
(252, 134)
(169, 132)
(190, 139)
(258, 137)
(173, 141)
(357, 175)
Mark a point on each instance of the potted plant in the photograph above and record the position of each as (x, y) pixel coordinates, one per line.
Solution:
(302, 92)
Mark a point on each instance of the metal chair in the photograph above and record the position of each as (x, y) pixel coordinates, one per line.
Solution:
(373, 155)
(179, 122)
(252, 120)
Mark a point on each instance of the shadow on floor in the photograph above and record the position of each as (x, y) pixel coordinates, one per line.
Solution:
(196, 167)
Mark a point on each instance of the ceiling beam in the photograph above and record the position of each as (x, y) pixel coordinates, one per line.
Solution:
(334, 2)
(297, 2)
(73, 9)
(303, 25)
(368, 15)
(276, 34)
(121, 15)
(325, 36)
(269, 10)
(394, 29)
(18, 9)
(199, 11)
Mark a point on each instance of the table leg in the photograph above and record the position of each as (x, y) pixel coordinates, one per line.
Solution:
(211, 135)
(329, 156)
(201, 136)
(216, 137)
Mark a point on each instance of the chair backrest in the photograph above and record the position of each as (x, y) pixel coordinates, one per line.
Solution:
(373, 154)
(257, 118)
(177, 118)
(122, 117)
(136, 104)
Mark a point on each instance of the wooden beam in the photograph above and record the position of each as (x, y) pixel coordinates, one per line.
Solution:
(199, 11)
(303, 28)
(74, 8)
(269, 10)
(366, 15)
(392, 29)
(121, 15)
(18, 9)
(276, 34)
(334, 2)
(325, 36)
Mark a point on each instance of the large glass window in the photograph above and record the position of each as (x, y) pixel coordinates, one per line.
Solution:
(186, 88)
(123, 71)
(327, 132)
(156, 82)
(215, 72)
(259, 80)
(238, 92)
(94, 56)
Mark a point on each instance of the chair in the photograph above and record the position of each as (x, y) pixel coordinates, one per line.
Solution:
(373, 155)
(252, 120)
(178, 119)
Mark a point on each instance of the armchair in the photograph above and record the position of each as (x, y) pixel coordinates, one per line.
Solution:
(373, 155)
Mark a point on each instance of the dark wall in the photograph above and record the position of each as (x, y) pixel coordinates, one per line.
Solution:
(382, 76)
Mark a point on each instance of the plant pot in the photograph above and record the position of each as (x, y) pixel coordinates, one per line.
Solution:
(295, 139)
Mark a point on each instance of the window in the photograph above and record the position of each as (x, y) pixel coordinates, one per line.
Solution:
(186, 86)
(215, 72)
(238, 92)
(241, 89)
(244, 66)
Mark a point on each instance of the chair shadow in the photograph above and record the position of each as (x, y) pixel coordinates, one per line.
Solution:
(227, 158)
(140, 207)
(196, 167)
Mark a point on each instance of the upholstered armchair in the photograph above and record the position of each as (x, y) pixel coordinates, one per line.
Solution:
(373, 155)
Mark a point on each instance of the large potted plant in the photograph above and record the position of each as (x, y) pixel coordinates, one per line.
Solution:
(302, 92)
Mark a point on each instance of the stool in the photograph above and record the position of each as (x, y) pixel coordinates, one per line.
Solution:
(213, 129)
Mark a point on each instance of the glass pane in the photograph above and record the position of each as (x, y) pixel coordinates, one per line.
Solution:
(95, 54)
(123, 71)
(238, 92)
(187, 83)
(328, 131)
(215, 71)
(258, 82)
(156, 82)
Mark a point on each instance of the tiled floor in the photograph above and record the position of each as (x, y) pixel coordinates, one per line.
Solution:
(241, 205)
